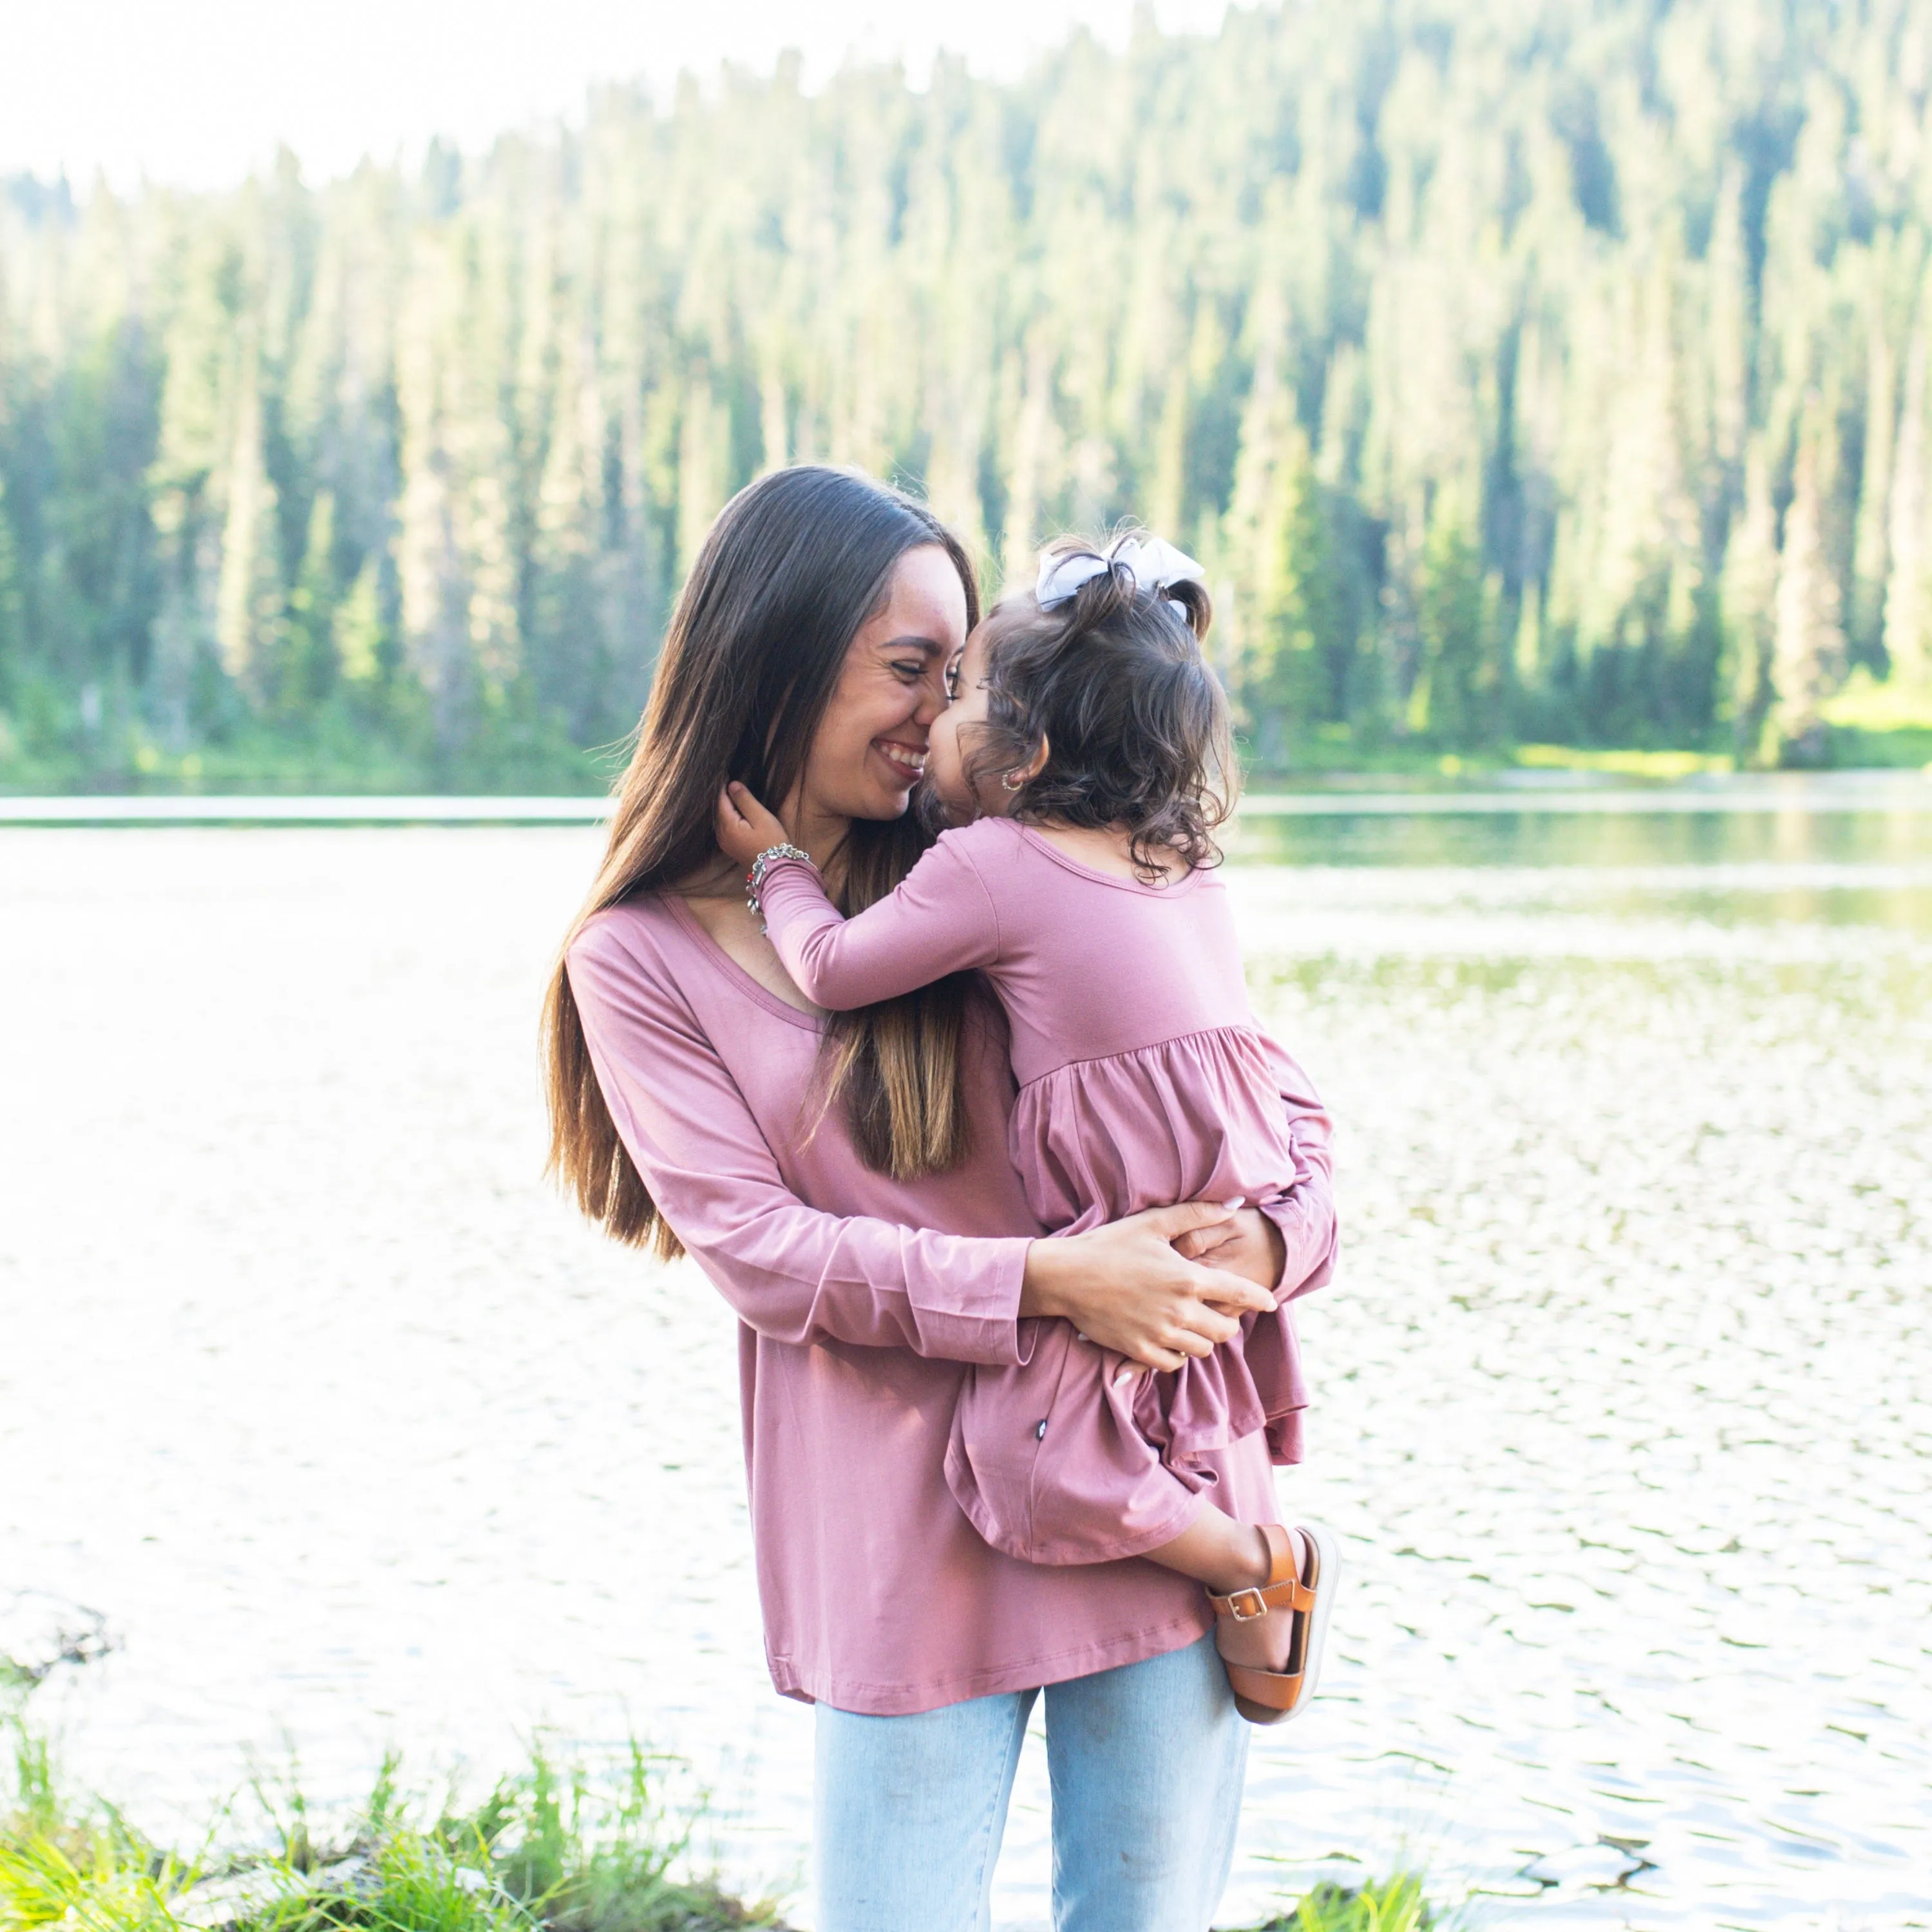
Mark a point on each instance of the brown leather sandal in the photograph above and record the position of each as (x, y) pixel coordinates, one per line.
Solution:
(1271, 1696)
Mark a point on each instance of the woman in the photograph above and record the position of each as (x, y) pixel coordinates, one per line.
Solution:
(843, 1180)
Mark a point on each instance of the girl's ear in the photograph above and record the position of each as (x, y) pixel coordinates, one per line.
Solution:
(1015, 780)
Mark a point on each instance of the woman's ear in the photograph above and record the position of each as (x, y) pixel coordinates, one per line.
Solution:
(1035, 765)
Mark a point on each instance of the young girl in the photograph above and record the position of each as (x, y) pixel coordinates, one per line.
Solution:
(1082, 758)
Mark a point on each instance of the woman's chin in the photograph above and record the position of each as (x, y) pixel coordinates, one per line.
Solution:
(885, 801)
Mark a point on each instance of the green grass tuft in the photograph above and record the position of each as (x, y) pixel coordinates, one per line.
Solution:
(552, 1849)
(1395, 1905)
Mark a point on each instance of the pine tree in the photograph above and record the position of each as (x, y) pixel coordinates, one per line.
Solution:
(1808, 645)
(12, 635)
(1750, 596)
(1453, 700)
(1871, 548)
(357, 632)
(1298, 662)
(1908, 594)
(312, 663)
(251, 607)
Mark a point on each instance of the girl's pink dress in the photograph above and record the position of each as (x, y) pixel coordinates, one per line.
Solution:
(1143, 1080)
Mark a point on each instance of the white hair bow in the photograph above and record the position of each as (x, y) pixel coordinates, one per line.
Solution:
(1154, 562)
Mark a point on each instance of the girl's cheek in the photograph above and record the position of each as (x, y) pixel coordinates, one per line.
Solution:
(943, 775)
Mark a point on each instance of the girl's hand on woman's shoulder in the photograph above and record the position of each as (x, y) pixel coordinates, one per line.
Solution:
(745, 827)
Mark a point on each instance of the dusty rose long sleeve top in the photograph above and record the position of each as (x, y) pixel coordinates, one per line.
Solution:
(861, 1300)
(1143, 1078)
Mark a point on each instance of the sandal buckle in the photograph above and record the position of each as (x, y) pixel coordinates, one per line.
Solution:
(1245, 1606)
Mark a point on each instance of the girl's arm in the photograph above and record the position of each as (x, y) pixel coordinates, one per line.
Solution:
(799, 1275)
(1288, 1238)
(1305, 1212)
(940, 920)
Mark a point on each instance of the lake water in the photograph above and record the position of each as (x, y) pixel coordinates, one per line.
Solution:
(1624, 1395)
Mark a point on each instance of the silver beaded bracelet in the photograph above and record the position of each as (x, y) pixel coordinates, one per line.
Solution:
(755, 879)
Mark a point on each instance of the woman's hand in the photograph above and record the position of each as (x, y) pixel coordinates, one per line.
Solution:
(1124, 1287)
(1247, 1244)
(745, 827)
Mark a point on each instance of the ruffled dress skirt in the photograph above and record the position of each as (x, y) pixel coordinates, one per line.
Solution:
(1062, 1459)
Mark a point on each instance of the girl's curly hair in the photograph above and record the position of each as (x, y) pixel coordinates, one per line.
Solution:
(1135, 724)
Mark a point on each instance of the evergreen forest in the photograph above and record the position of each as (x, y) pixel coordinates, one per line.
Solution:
(1527, 372)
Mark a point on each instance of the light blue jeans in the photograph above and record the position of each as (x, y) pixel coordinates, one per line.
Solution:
(1146, 1761)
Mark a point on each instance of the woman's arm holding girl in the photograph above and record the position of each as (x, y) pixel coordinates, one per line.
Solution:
(799, 1275)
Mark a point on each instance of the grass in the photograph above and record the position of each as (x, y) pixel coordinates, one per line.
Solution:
(1879, 724)
(341, 748)
(554, 1848)
(1856, 736)
(1863, 704)
(269, 768)
(1396, 1905)
(1661, 767)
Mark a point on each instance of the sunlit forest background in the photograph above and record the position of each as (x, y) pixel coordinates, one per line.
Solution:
(1538, 374)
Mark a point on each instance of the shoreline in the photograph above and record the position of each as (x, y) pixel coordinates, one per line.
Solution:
(566, 1843)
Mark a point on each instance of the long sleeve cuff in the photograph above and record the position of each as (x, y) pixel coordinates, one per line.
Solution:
(1306, 1215)
(984, 1325)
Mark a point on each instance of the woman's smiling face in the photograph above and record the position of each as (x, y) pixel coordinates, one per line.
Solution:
(870, 745)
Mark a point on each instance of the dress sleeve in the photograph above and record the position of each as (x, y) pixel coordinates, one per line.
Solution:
(1305, 1210)
(940, 919)
(790, 1271)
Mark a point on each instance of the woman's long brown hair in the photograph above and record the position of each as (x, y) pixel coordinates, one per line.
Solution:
(794, 565)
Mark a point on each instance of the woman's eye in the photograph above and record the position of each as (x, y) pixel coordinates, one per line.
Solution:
(911, 669)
